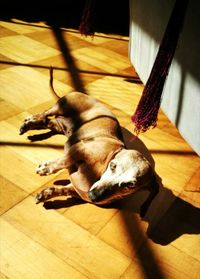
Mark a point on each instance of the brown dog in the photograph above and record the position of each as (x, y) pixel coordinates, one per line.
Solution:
(101, 169)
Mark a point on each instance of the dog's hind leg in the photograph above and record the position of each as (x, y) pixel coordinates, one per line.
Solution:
(33, 122)
(58, 125)
(39, 121)
(52, 192)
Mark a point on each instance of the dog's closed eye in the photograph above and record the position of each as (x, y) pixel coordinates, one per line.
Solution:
(113, 166)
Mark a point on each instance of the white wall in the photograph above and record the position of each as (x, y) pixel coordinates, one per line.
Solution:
(181, 95)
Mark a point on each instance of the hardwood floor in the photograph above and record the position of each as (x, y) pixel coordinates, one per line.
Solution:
(71, 239)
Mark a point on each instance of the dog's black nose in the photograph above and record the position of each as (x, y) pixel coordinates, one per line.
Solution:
(96, 194)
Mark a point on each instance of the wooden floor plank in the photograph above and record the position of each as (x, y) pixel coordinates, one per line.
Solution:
(69, 242)
(38, 261)
(23, 175)
(90, 217)
(10, 194)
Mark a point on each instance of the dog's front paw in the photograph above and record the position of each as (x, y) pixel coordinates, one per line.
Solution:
(45, 195)
(45, 168)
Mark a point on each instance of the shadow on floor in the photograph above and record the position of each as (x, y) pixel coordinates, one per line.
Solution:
(177, 217)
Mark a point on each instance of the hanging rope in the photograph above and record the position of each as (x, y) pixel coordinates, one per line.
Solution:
(86, 27)
(146, 113)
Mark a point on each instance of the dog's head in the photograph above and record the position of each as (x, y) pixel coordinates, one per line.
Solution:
(126, 173)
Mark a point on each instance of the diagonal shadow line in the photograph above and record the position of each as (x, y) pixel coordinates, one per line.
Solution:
(144, 254)
(10, 143)
(128, 77)
(73, 69)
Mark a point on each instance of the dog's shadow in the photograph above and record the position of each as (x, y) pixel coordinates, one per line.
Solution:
(168, 217)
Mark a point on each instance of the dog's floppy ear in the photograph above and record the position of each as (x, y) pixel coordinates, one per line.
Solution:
(110, 156)
(154, 189)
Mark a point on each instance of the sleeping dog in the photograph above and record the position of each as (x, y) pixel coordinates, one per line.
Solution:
(101, 169)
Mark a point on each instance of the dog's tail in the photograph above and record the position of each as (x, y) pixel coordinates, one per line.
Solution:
(51, 83)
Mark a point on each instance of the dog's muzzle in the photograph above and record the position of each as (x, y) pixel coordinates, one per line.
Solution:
(100, 193)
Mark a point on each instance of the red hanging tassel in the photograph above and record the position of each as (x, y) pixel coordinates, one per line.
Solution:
(146, 113)
(85, 27)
